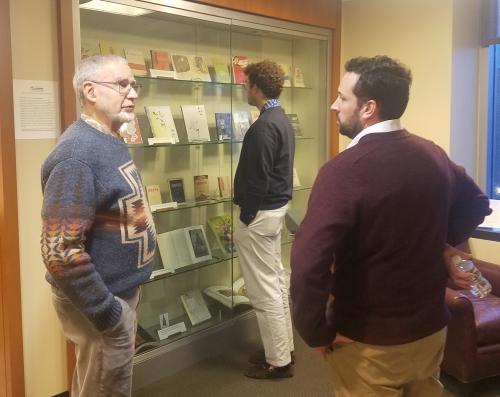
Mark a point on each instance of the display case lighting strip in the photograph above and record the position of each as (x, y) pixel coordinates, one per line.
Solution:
(114, 8)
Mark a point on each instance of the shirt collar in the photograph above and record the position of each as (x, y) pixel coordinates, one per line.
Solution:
(378, 128)
(271, 103)
(94, 123)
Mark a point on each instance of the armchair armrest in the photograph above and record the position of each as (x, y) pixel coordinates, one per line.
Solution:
(462, 326)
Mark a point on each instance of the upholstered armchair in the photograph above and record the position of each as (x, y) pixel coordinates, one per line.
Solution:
(472, 349)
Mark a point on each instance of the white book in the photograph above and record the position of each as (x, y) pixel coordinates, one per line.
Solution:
(199, 68)
(167, 254)
(182, 255)
(162, 123)
(196, 123)
(198, 247)
(173, 256)
(154, 194)
(229, 296)
(136, 61)
(195, 306)
(241, 124)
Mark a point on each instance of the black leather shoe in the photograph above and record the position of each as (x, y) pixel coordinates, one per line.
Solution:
(259, 358)
(267, 371)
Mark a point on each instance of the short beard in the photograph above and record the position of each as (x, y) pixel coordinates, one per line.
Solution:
(123, 117)
(350, 130)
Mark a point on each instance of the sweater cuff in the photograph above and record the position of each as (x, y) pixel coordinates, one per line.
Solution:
(109, 318)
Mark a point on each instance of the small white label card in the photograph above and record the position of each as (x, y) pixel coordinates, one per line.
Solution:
(164, 333)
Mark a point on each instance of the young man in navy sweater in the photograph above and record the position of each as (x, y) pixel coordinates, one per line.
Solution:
(368, 261)
(262, 189)
(98, 237)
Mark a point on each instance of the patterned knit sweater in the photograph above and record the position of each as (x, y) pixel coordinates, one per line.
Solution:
(98, 237)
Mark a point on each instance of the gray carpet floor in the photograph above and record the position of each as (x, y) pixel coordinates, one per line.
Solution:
(221, 376)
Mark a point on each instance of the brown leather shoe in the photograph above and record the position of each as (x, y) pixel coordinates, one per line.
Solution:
(267, 371)
(259, 358)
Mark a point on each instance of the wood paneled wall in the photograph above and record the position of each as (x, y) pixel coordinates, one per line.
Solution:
(11, 338)
(322, 13)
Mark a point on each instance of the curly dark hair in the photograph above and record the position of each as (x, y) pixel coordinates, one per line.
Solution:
(384, 80)
(268, 76)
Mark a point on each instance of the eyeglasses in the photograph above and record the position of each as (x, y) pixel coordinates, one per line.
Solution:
(124, 86)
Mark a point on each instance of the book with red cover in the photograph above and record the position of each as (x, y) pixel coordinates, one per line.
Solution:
(239, 63)
(160, 60)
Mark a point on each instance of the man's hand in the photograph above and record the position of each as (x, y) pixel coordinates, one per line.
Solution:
(337, 342)
(459, 278)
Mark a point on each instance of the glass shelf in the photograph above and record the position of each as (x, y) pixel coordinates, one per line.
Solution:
(297, 138)
(220, 314)
(213, 83)
(193, 204)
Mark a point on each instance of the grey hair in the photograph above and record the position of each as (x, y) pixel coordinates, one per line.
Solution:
(90, 67)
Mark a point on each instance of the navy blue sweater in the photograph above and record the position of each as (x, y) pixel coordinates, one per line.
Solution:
(98, 237)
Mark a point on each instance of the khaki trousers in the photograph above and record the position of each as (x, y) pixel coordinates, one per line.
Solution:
(407, 370)
(259, 248)
(103, 359)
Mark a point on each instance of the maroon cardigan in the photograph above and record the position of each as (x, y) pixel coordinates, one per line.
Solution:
(382, 211)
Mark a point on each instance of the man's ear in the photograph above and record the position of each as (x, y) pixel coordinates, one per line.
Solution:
(369, 109)
(89, 91)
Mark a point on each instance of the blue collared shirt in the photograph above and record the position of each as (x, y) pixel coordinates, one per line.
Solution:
(271, 103)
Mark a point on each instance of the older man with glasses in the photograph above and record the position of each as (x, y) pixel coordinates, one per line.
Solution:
(98, 237)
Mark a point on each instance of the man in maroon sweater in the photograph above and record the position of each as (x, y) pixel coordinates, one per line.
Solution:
(368, 269)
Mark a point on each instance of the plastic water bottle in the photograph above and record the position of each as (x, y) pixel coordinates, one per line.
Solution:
(480, 287)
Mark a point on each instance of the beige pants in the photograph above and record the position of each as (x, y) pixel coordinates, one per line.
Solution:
(103, 359)
(407, 370)
(259, 248)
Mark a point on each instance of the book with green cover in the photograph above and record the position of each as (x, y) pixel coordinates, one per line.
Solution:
(221, 227)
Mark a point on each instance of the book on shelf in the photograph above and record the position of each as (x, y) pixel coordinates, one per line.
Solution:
(162, 123)
(136, 62)
(224, 184)
(108, 48)
(176, 190)
(298, 77)
(160, 267)
(196, 123)
(294, 121)
(223, 124)
(229, 296)
(89, 48)
(221, 228)
(239, 63)
(154, 194)
(160, 60)
(287, 70)
(201, 190)
(198, 247)
(195, 306)
(219, 70)
(131, 132)
(241, 124)
(181, 66)
(199, 69)
(296, 180)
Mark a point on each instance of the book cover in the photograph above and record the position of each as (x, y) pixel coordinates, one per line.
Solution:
(195, 306)
(196, 123)
(287, 70)
(294, 121)
(176, 189)
(131, 132)
(108, 48)
(228, 296)
(181, 66)
(136, 62)
(239, 63)
(160, 60)
(199, 250)
(173, 249)
(201, 190)
(219, 71)
(199, 69)
(223, 124)
(224, 184)
(221, 227)
(154, 194)
(241, 124)
(298, 77)
(162, 123)
(168, 255)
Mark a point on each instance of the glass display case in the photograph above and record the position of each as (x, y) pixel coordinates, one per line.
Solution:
(192, 114)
